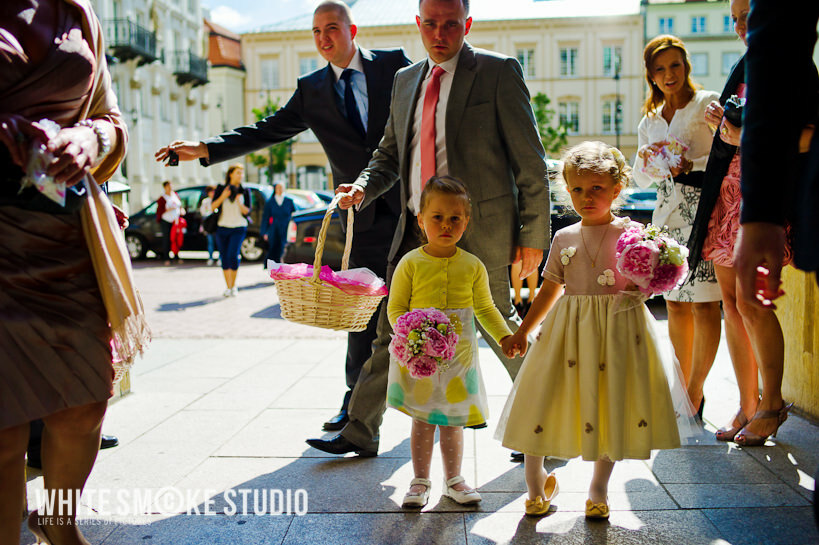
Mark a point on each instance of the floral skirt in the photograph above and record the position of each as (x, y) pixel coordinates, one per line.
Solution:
(454, 395)
(724, 223)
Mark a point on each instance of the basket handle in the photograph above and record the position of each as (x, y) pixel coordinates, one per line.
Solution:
(348, 244)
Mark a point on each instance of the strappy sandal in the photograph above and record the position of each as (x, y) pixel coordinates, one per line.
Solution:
(747, 438)
(36, 529)
(728, 433)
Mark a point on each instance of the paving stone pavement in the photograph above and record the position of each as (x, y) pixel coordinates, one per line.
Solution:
(212, 450)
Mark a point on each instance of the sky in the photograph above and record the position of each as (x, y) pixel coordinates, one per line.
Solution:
(243, 15)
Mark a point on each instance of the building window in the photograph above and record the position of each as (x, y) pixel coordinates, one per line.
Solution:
(526, 58)
(568, 61)
(307, 65)
(666, 25)
(609, 117)
(180, 112)
(612, 55)
(699, 64)
(729, 59)
(270, 73)
(698, 25)
(569, 116)
(727, 24)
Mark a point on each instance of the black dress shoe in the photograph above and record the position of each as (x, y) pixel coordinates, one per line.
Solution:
(516, 456)
(337, 422)
(108, 441)
(340, 445)
(33, 460)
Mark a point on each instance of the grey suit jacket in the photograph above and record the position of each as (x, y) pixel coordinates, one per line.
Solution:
(492, 145)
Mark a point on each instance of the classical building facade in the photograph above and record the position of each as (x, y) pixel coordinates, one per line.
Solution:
(585, 55)
(156, 53)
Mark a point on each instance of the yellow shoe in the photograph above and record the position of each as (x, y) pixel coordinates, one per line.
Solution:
(541, 504)
(537, 507)
(597, 510)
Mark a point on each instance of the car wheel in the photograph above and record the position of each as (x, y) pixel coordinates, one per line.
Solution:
(136, 246)
(251, 249)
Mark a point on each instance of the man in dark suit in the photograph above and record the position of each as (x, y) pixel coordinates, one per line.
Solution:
(484, 134)
(779, 180)
(346, 105)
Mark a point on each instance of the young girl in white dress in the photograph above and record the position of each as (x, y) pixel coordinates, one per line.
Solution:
(441, 275)
(593, 384)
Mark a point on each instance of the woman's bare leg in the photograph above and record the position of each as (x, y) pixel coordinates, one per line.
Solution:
(13, 443)
(681, 332)
(707, 331)
(71, 440)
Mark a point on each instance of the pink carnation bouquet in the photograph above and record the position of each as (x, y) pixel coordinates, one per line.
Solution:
(423, 340)
(651, 259)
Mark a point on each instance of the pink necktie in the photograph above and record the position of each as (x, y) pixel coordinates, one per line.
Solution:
(428, 126)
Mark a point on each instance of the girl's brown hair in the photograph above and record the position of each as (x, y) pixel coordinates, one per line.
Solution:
(656, 46)
(448, 185)
(230, 170)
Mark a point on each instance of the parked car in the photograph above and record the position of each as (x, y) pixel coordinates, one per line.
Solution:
(304, 227)
(144, 234)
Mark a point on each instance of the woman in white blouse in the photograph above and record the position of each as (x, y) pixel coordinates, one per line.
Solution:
(674, 142)
(232, 201)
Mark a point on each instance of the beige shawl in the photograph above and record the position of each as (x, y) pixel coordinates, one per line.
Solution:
(129, 330)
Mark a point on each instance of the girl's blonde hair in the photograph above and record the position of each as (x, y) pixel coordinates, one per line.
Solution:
(598, 158)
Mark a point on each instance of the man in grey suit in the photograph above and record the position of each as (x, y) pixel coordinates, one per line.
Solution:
(486, 135)
(346, 105)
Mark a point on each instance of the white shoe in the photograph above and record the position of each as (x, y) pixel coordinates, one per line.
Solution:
(464, 497)
(227, 293)
(234, 291)
(413, 499)
(211, 261)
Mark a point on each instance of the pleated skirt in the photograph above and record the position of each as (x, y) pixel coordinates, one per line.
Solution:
(55, 348)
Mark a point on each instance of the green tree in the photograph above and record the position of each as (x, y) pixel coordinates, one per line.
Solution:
(277, 155)
(553, 137)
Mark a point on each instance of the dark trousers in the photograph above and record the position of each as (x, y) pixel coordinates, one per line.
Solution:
(370, 249)
(276, 237)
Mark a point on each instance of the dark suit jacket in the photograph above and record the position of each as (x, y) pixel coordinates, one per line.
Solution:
(492, 145)
(313, 106)
(783, 97)
(719, 160)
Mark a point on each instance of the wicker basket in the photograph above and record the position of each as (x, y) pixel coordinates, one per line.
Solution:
(310, 301)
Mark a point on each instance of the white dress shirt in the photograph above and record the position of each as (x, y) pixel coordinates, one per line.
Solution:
(359, 83)
(441, 166)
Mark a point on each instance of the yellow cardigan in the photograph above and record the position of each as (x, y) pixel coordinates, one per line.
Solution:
(423, 281)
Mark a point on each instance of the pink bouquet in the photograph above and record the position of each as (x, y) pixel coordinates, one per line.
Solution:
(651, 259)
(423, 339)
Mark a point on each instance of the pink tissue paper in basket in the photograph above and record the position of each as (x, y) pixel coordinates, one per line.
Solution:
(360, 281)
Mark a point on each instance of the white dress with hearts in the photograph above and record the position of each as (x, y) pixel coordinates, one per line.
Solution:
(593, 383)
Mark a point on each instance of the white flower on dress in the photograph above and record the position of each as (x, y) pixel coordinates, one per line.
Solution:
(607, 278)
(566, 254)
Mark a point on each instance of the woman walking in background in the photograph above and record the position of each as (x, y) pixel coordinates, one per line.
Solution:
(674, 144)
(232, 200)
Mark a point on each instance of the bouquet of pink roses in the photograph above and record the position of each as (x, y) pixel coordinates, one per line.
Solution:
(651, 259)
(423, 339)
